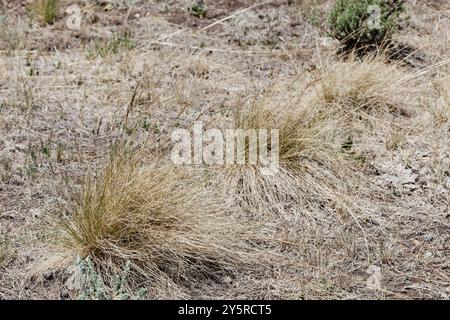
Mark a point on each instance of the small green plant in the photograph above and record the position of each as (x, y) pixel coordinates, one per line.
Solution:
(145, 124)
(103, 49)
(365, 24)
(93, 287)
(46, 10)
(198, 9)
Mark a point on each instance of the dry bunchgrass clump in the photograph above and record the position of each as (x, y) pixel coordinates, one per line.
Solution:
(317, 123)
(378, 99)
(362, 85)
(159, 217)
(311, 165)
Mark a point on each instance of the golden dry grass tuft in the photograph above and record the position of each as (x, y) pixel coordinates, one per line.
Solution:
(376, 99)
(363, 85)
(312, 168)
(158, 217)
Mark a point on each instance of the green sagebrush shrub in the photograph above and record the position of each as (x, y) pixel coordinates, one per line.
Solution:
(365, 23)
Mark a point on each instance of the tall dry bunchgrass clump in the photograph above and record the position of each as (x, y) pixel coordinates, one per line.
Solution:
(376, 100)
(318, 125)
(311, 167)
(370, 86)
(160, 218)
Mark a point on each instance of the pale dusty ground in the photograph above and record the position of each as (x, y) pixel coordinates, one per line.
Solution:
(60, 109)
